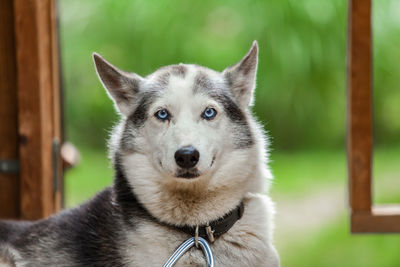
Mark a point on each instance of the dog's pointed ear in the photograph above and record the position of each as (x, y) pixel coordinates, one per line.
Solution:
(241, 77)
(121, 86)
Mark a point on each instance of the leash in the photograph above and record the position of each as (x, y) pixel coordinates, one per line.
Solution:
(186, 246)
(208, 231)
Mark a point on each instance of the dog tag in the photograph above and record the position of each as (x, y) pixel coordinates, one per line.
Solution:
(186, 246)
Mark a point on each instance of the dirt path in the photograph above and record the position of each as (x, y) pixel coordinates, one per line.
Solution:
(300, 216)
(297, 217)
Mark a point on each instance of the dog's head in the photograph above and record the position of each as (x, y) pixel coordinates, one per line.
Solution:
(185, 126)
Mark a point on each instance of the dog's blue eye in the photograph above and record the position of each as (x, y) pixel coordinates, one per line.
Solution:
(209, 113)
(162, 114)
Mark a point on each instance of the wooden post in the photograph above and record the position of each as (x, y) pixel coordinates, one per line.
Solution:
(365, 218)
(9, 183)
(359, 140)
(38, 107)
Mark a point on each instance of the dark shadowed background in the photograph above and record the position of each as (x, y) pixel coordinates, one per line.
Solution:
(300, 99)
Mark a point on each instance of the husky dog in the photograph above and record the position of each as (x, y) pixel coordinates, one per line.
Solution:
(187, 153)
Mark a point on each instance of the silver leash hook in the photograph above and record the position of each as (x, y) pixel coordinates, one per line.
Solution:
(182, 249)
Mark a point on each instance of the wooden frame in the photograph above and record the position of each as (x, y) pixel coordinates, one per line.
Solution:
(364, 217)
(38, 107)
(9, 182)
(31, 67)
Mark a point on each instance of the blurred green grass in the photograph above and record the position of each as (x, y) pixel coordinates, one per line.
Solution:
(333, 246)
(298, 170)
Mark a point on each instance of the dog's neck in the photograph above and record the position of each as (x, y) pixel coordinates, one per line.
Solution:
(194, 206)
(189, 205)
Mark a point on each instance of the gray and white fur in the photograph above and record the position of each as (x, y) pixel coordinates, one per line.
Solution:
(130, 222)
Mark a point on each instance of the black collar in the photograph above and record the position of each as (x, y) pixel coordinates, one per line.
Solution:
(217, 227)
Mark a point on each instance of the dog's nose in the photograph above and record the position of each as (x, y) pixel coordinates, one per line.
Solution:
(187, 157)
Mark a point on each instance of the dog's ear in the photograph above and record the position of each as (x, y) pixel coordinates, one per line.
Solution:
(121, 86)
(241, 77)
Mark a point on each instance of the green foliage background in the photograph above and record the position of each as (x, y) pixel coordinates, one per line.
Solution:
(301, 92)
(300, 98)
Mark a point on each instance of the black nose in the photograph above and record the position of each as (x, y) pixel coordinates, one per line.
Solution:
(187, 157)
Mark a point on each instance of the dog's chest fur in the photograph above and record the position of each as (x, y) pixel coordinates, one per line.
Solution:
(247, 243)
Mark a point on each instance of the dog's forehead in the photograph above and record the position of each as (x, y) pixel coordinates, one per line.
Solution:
(186, 77)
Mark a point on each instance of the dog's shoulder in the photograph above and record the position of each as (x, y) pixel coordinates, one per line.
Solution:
(82, 236)
(9, 229)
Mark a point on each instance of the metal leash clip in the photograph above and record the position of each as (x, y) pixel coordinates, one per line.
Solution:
(210, 233)
(196, 236)
(187, 245)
